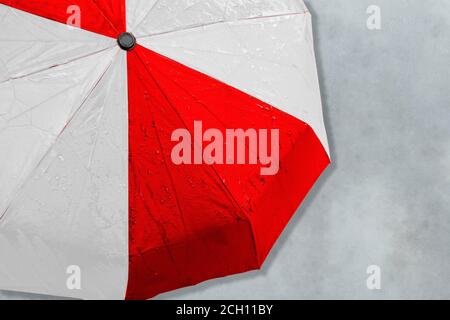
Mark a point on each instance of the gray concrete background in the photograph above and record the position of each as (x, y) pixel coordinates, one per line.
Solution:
(386, 199)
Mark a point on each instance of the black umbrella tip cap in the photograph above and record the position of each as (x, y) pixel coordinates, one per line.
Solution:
(126, 41)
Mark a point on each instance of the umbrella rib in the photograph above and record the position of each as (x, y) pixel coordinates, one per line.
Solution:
(104, 15)
(99, 123)
(56, 65)
(253, 56)
(159, 226)
(185, 9)
(137, 25)
(162, 153)
(228, 191)
(199, 102)
(31, 22)
(25, 183)
(198, 26)
(31, 109)
(205, 107)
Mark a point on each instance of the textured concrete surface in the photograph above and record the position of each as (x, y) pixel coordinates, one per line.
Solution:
(386, 199)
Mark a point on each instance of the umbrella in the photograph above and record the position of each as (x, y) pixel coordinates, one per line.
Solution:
(151, 145)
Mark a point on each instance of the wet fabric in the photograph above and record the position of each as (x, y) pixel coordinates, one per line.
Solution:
(87, 177)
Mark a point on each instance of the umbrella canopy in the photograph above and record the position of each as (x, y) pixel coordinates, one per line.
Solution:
(151, 145)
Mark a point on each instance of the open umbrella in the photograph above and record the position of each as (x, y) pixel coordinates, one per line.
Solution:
(151, 145)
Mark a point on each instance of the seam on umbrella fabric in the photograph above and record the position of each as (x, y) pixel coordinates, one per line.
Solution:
(104, 15)
(197, 26)
(57, 65)
(137, 25)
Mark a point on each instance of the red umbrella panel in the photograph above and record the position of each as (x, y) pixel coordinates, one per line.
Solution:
(151, 145)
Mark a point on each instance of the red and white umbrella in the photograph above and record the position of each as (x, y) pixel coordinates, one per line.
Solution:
(151, 145)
